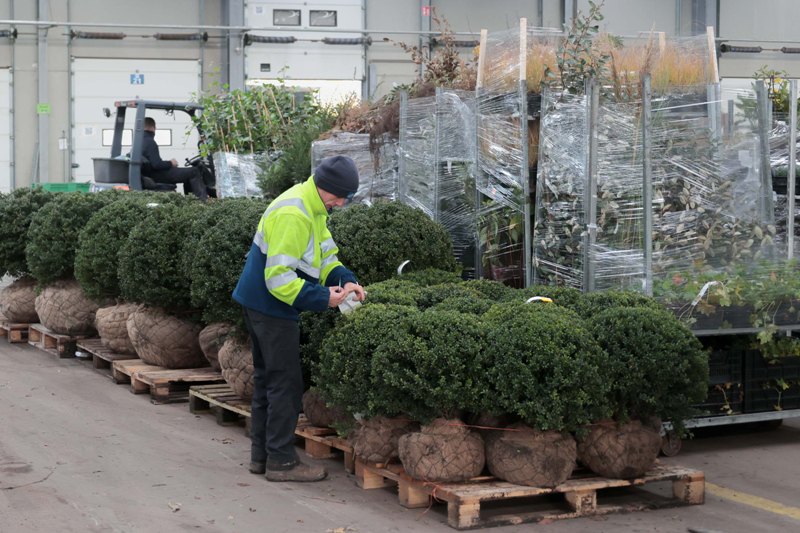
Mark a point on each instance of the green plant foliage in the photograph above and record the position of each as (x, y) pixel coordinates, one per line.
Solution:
(593, 303)
(577, 57)
(436, 294)
(219, 258)
(17, 209)
(657, 367)
(313, 329)
(374, 240)
(464, 304)
(100, 241)
(54, 231)
(257, 120)
(294, 164)
(150, 263)
(344, 374)
(430, 276)
(393, 291)
(430, 373)
(560, 294)
(542, 364)
(493, 290)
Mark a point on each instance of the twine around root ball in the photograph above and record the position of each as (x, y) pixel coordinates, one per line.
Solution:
(236, 363)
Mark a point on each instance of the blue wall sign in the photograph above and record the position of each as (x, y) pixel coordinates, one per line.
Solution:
(137, 79)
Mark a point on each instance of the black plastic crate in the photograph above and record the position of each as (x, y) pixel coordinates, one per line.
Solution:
(723, 399)
(725, 372)
(771, 386)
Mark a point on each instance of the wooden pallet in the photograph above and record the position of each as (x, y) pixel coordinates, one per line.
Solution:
(14, 332)
(227, 407)
(62, 346)
(164, 385)
(102, 357)
(466, 501)
(320, 443)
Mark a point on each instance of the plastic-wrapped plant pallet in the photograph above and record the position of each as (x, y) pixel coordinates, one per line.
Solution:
(437, 164)
(510, 72)
(716, 249)
(237, 174)
(377, 171)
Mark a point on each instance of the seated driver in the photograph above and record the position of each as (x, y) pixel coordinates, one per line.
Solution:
(168, 171)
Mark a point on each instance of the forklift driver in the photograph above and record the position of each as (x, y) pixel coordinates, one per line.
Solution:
(167, 171)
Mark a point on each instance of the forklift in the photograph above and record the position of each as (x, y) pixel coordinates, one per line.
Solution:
(123, 170)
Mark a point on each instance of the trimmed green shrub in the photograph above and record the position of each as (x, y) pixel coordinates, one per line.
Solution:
(344, 374)
(593, 303)
(313, 329)
(17, 210)
(431, 372)
(561, 295)
(430, 276)
(219, 258)
(150, 261)
(543, 365)
(393, 291)
(100, 241)
(436, 294)
(493, 290)
(657, 367)
(215, 211)
(464, 304)
(54, 230)
(374, 240)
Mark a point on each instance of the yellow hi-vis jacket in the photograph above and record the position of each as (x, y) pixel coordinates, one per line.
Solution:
(293, 259)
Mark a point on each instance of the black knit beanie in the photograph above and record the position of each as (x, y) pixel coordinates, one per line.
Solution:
(338, 175)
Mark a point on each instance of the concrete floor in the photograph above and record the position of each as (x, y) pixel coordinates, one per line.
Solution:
(81, 454)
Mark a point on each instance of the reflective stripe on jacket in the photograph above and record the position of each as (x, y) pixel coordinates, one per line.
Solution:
(293, 257)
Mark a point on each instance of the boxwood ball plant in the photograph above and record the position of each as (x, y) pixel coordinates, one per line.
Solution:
(16, 213)
(54, 230)
(150, 264)
(544, 366)
(345, 372)
(657, 367)
(219, 257)
(374, 240)
(100, 241)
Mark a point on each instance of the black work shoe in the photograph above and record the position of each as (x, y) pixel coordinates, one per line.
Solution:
(258, 467)
(299, 472)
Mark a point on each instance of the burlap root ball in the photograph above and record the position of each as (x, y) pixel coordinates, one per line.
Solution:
(211, 339)
(63, 308)
(165, 340)
(443, 451)
(319, 413)
(236, 361)
(375, 439)
(520, 454)
(112, 326)
(18, 301)
(620, 451)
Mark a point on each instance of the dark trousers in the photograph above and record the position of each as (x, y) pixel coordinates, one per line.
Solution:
(278, 390)
(191, 177)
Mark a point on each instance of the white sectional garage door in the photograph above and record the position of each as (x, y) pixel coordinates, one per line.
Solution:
(98, 83)
(5, 130)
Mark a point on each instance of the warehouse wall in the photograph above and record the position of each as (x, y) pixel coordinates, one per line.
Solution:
(138, 44)
(386, 64)
(775, 20)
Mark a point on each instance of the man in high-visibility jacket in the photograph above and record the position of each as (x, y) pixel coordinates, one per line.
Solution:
(291, 267)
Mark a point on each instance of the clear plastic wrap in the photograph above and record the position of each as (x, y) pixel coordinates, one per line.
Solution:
(718, 237)
(237, 174)
(508, 140)
(377, 171)
(437, 164)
